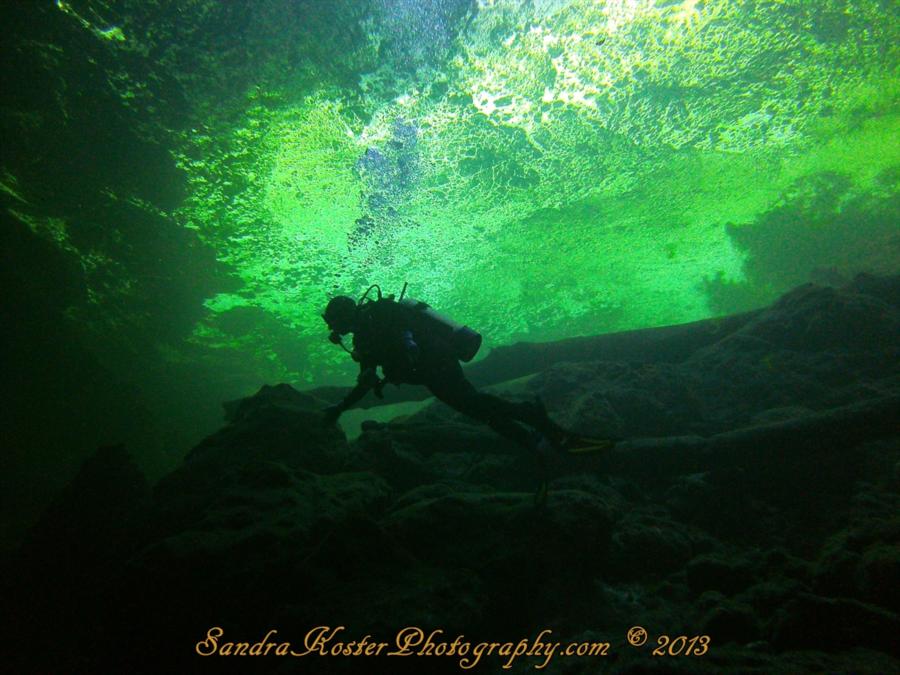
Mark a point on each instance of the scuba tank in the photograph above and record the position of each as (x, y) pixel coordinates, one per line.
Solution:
(462, 340)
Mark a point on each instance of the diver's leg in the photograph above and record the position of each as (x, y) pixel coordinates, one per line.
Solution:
(531, 413)
(449, 385)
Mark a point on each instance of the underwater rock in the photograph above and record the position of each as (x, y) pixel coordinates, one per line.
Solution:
(727, 575)
(277, 424)
(94, 516)
(439, 445)
(731, 622)
(282, 396)
(645, 545)
(60, 585)
(771, 594)
(812, 622)
(835, 574)
(879, 575)
(863, 563)
(575, 525)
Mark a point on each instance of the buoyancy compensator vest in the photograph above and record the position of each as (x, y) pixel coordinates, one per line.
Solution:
(462, 341)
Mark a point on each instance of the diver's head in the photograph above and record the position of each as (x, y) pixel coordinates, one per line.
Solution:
(340, 314)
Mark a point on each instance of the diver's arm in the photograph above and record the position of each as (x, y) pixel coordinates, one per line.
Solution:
(367, 379)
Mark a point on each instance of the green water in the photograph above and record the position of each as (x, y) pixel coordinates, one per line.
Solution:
(535, 169)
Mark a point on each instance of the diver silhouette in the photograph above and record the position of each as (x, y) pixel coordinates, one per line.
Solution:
(413, 344)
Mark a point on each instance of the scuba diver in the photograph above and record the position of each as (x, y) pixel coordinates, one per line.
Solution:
(414, 344)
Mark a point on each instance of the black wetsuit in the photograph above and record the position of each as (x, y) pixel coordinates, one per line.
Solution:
(379, 341)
